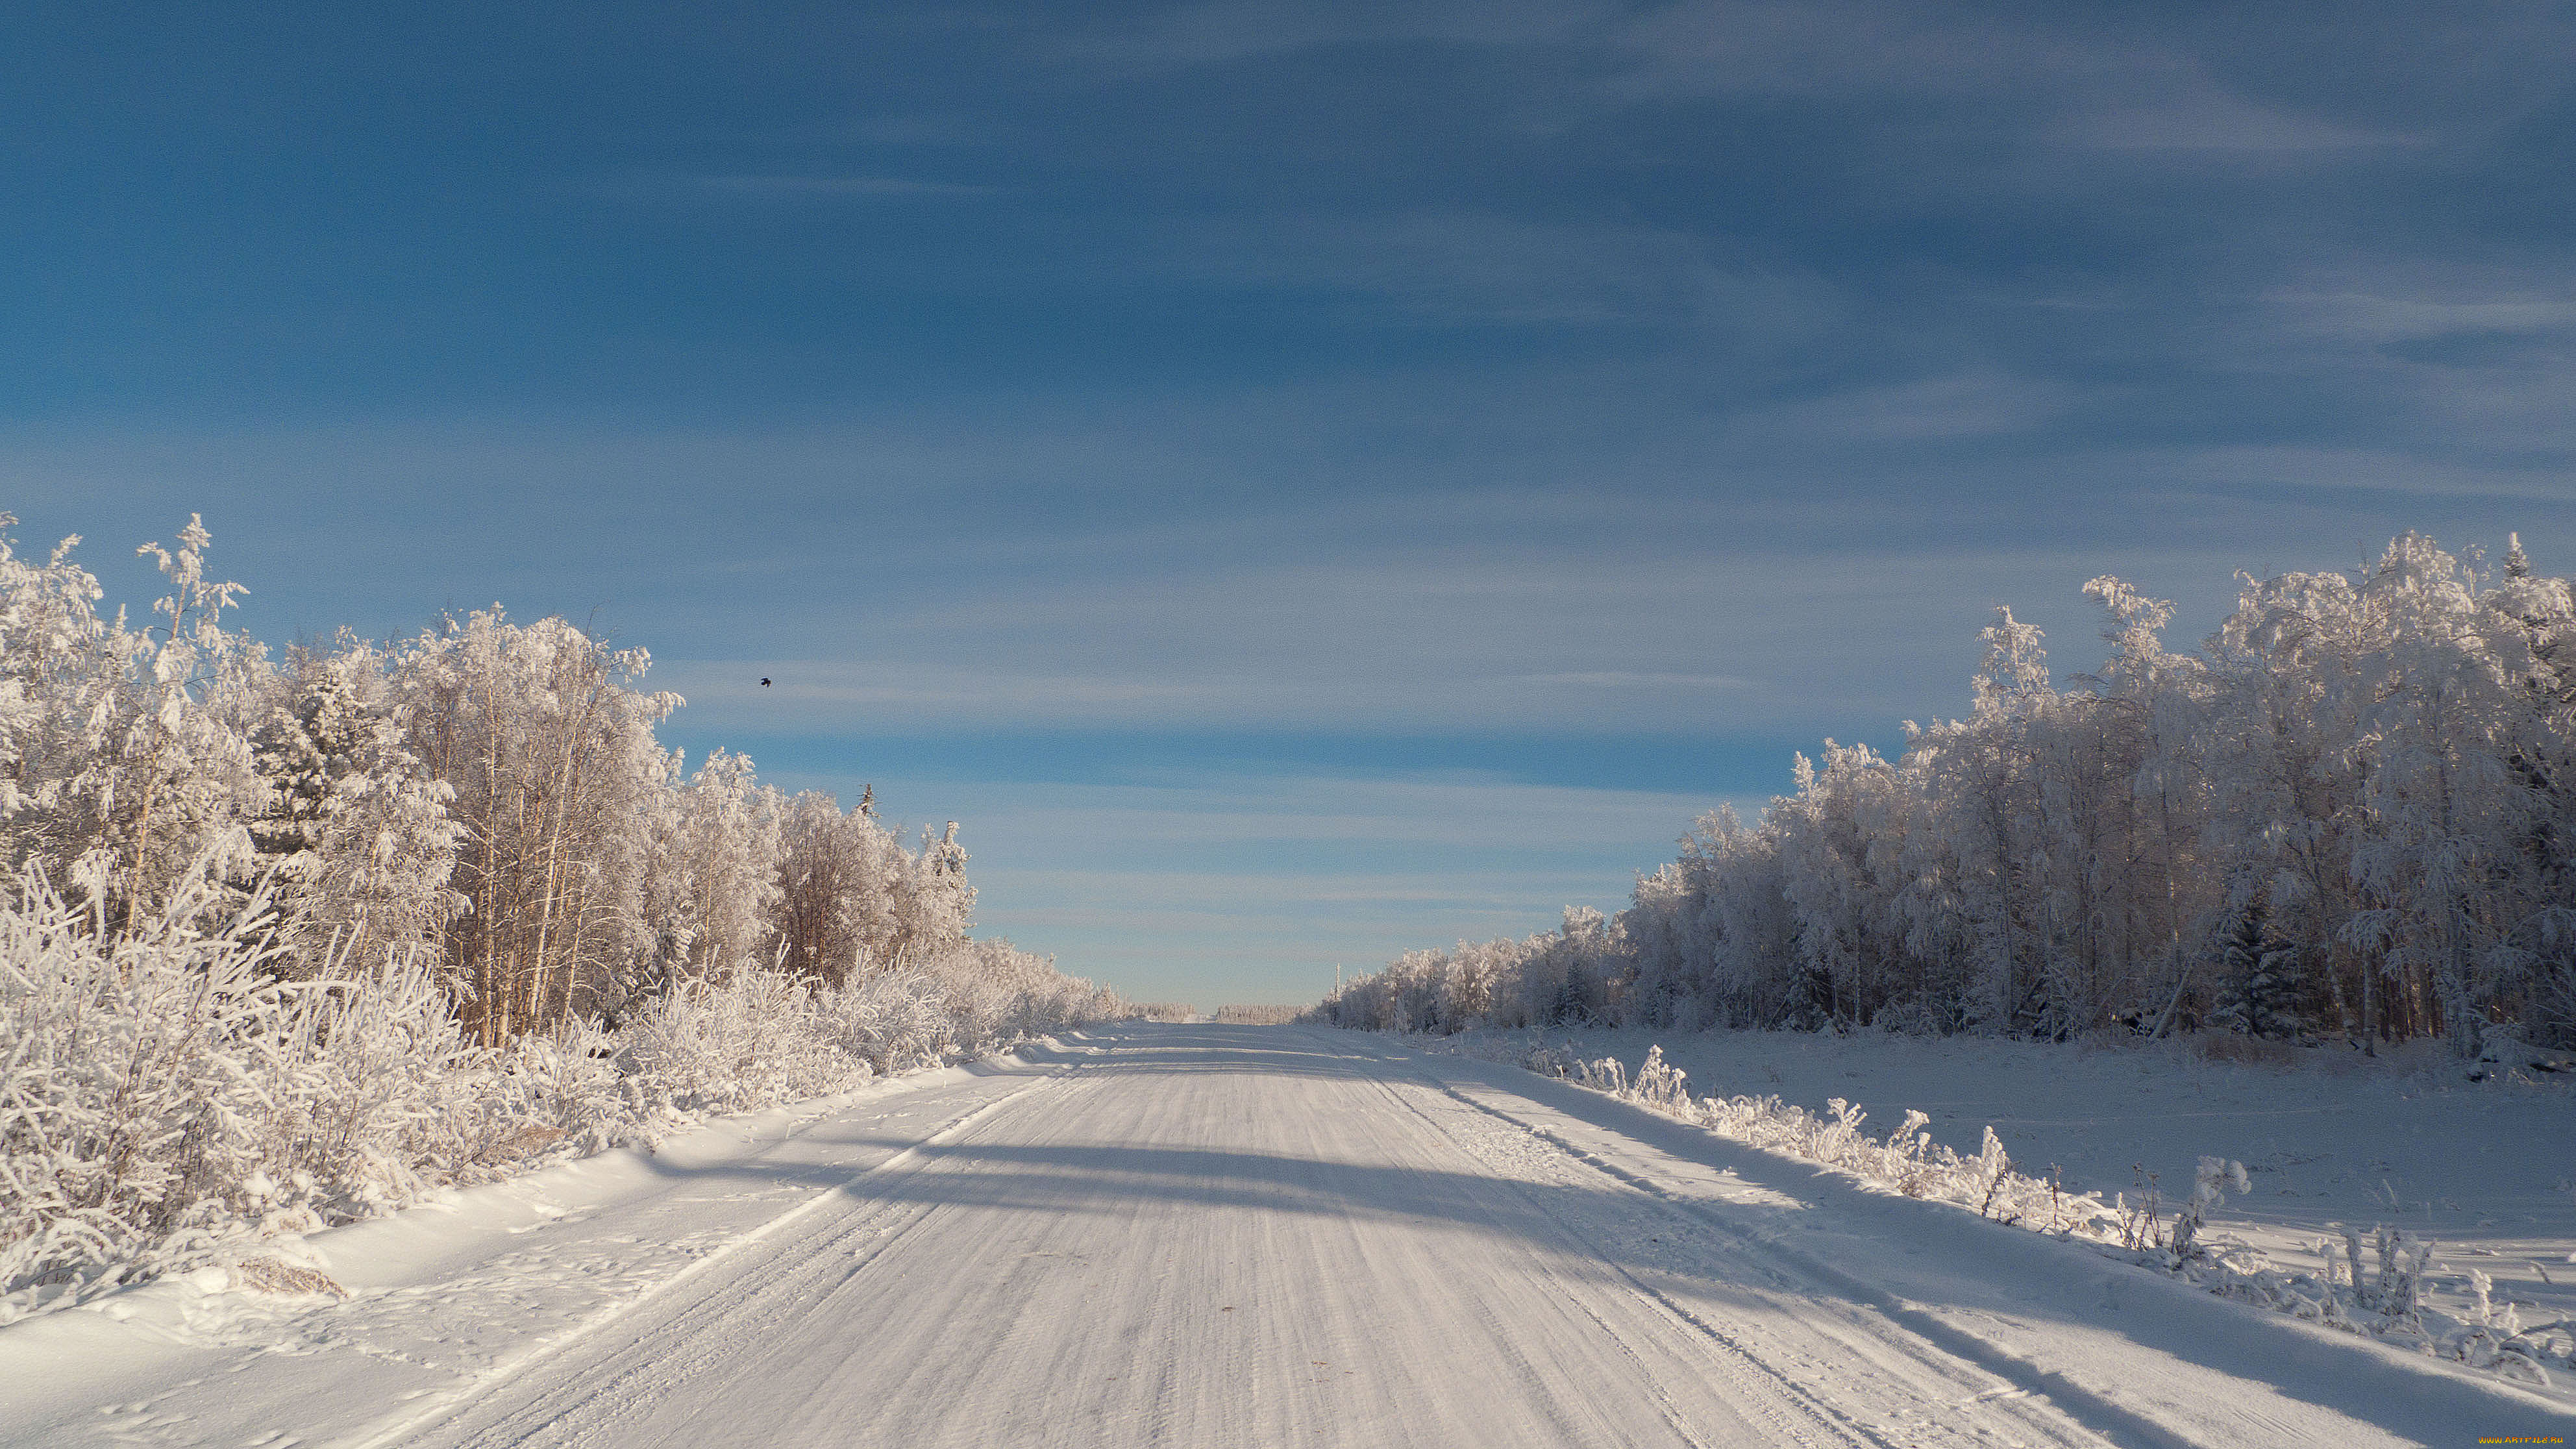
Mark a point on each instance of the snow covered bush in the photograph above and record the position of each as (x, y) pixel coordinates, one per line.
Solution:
(133, 1070)
(167, 1092)
(748, 1042)
(170, 1097)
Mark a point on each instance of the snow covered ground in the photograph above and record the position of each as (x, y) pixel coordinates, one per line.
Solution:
(2329, 1138)
(1211, 1234)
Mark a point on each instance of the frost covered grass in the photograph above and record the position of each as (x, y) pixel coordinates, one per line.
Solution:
(168, 1100)
(2386, 1280)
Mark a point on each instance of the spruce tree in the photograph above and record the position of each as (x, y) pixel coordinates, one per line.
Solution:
(2258, 975)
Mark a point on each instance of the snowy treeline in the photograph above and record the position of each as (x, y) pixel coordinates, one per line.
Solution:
(286, 939)
(2351, 814)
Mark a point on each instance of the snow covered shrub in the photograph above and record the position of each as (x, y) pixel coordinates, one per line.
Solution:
(749, 1042)
(169, 1097)
(559, 1086)
(1020, 994)
(168, 1093)
(133, 1088)
(1906, 1160)
(2211, 1182)
(374, 1083)
(974, 997)
(893, 1021)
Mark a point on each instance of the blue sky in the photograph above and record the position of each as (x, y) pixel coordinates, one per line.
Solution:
(1297, 480)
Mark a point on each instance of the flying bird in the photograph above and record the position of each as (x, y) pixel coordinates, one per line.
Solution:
(764, 684)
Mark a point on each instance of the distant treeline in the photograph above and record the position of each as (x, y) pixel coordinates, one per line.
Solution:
(2350, 815)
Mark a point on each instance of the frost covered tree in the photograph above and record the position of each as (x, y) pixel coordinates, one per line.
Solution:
(2375, 768)
(65, 684)
(838, 875)
(553, 764)
(934, 905)
(350, 822)
(175, 772)
(711, 884)
(2259, 985)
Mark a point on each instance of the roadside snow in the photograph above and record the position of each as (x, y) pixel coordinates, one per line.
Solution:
(462, 1287)
(1204, 1235)
(2330, 1139)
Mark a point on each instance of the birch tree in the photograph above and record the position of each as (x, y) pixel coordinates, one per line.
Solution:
(553, 763)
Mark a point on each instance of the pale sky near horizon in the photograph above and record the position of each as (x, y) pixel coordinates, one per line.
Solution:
(1298, 481)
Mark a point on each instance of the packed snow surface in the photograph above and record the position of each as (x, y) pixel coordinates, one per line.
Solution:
(2330, 1139)
(1204, 1235)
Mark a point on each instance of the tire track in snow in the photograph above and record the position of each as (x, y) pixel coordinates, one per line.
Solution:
(2025, 1383)
(1436, 1307)
(421, 1417)
(1766, 1388)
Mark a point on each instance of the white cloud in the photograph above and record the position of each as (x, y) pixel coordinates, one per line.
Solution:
(2198, 117)
(2377, 318)
(1972, 403)
(1624, 679)
(2399, 474)
(2076, 85)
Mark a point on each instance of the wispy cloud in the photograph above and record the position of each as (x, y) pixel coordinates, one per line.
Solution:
(829, 186)
(2433, 482)
(1493, 268)
(1644, 636)
(2203, 119)
(1224, 31)
(1628, 679)
(2050, 76)
(1973, 403)
(2376, 318)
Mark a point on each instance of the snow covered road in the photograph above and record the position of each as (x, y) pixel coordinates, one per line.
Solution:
(1208, 1235)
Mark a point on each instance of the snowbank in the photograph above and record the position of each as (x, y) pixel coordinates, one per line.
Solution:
(2138, 1149)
